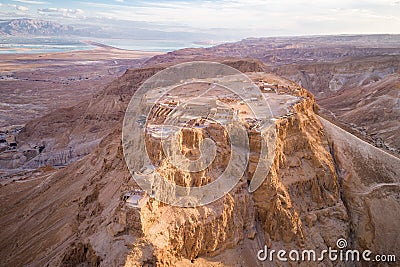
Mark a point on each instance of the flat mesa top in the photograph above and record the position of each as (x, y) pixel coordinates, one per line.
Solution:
(187, 101)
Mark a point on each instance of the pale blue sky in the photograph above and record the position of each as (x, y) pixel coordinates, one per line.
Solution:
(239, 18)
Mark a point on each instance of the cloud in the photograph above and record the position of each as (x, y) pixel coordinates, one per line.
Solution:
(119, 1)
(22, 8)
(19, 8)
(31, 2)
(61, 12)
(104, 5)
(270, 17)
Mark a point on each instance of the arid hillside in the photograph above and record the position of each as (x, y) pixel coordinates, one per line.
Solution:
(33, 85)
(370, 186)
(81, 214)
(361, 93)
(372, 109)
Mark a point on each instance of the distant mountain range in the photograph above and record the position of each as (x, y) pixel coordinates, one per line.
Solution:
(35, 27)
(95, 28)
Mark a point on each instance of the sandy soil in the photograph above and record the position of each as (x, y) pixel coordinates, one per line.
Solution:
(14, 62)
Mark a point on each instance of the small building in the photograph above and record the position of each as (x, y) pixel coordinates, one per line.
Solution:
(134, 199)
(272, 85)
(11, 141)
(268, 90)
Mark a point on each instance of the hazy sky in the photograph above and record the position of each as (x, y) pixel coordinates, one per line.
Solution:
(240, 18)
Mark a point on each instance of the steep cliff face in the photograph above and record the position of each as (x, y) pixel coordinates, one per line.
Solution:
(189, 143)
(179, 233)
(299, 204)
(176, 233)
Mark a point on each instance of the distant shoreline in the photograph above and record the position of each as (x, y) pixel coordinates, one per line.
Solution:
(36, 44)
(97, 44)
(92, 45)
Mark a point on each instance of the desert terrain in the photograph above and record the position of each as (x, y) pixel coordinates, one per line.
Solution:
(69, 198)
(32, 85)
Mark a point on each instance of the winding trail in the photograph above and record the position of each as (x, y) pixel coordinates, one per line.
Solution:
(374, 187)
